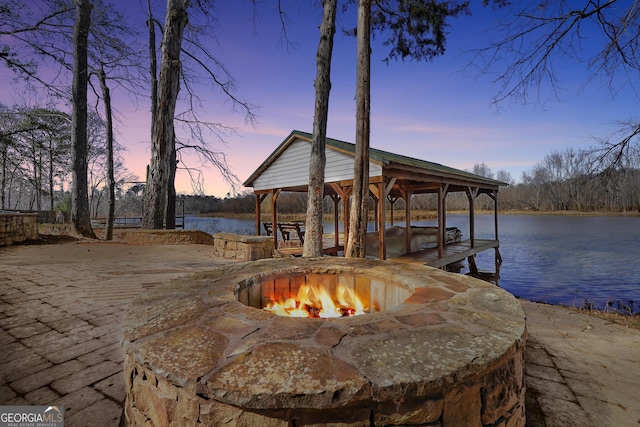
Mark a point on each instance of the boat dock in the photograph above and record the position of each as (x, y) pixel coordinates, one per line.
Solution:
(452, 253)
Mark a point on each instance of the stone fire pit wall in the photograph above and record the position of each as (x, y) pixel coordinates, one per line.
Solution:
(451, 354)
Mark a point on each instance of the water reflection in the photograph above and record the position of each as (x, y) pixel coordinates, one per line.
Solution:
(576, 261)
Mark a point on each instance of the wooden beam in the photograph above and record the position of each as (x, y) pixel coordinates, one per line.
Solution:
(418, 175)
(374, 190)
(389, 186)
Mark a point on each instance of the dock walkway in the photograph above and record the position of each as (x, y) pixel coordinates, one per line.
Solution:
(452, 253)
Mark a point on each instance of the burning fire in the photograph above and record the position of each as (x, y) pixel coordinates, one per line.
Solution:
(313, 301)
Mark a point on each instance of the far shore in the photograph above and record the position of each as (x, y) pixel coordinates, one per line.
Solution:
(422, 214)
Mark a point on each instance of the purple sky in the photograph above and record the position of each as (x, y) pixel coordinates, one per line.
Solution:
(434, 111)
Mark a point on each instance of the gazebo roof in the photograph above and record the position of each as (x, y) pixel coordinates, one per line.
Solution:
(419, 175)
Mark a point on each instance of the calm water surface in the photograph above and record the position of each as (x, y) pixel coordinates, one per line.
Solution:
(554, 259)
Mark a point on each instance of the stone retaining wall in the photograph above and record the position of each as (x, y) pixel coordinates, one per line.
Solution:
(245, 248)
(168, 237)
(225, 245)
(15, 228)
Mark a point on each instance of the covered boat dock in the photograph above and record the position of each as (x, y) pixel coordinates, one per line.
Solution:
(391, 177)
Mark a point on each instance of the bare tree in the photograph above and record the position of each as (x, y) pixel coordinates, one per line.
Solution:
(505, 176)
(111, 182)
(80, 211)
(414, 30)
(482, 169)
(356, 246)
(169, 83)
(197, 132)
(115, 60)
(313, 227)
(51, 41)
(190, 131)
(527, 49)
(36, 40)
(153, 65)
(34, 147)
(170, 212)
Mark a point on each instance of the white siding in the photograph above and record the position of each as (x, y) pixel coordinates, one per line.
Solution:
(291, 168)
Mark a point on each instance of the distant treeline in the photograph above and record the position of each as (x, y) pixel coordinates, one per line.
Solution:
(35, 174)
(568, 180)
(614, 192)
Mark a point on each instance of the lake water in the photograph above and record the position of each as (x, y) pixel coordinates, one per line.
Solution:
(568, 260)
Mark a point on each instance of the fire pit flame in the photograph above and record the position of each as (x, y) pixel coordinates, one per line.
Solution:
(314, 301)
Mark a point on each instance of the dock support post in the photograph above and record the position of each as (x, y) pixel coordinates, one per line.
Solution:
(473, 268)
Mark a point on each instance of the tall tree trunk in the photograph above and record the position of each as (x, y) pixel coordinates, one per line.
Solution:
(356, 245)
(170, 67)
(50, 173)
(3, 171)
(80, 209)
(111, 181)
(313, 226)
(153, 67)
(171, 187)
(170, 214)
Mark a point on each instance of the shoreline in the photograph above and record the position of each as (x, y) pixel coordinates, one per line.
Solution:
(420, 215)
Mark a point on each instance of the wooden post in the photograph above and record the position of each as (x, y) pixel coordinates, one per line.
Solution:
(344, 193)
(407, 219)
(473, 268)
(382, 252)
(497, 256)
(495, 212)
(375, 192)
(442, 218)
(336, 219)
(274, 216)
(380, 191)
(472, 193)
(392, 200)
(259, 199)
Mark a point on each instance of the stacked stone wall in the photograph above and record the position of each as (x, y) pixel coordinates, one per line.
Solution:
(244, 248)
(225, 245)
(16, 228)
(168, 237)
(487, 402)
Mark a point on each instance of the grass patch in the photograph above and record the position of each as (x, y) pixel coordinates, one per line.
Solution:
(626, 320)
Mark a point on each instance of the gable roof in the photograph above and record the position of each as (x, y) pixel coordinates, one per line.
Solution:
(390, 162)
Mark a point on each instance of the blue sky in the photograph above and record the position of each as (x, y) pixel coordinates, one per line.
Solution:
(438, 111)
(435, 110)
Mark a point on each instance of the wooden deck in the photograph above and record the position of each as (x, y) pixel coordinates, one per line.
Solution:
(328, 245)
(453, 252)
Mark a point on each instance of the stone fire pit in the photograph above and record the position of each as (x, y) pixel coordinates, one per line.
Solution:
(445, 350)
